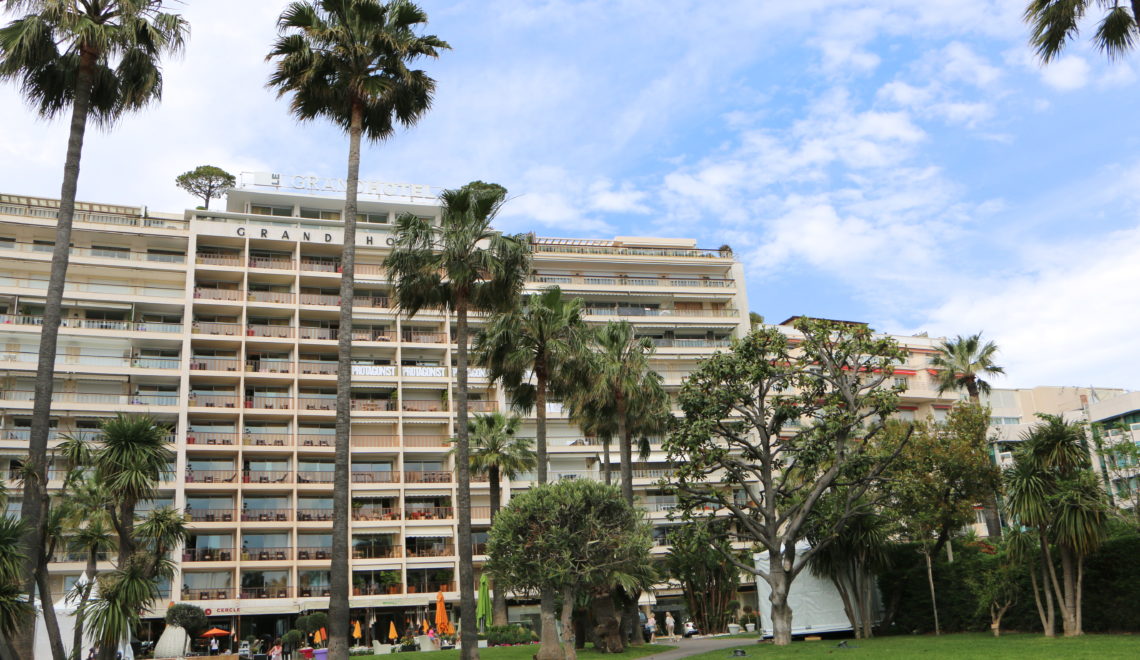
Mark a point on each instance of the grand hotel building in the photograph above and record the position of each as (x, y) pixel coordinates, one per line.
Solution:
(223, 324)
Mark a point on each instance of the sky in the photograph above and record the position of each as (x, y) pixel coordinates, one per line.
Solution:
(908, 164)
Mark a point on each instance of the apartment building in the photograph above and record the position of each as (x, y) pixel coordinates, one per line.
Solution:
(224, 325)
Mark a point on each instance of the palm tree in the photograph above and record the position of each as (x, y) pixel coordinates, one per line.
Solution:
(92, 539)
(460, 265)
(542, 337)
(101, 59)
(1052, 489)
(115, 613)
(347, 61)
(132, 461)
(1056, 22)
(13, 607)
(498, 452)
(962, 362)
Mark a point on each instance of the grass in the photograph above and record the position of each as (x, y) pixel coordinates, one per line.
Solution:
(1018, 647)
(526, 653)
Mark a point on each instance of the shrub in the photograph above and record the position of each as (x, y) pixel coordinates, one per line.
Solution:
(503, 635)
(293, 638)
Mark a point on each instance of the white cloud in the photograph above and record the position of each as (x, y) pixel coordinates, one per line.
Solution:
(1067, 73)
(960, 62)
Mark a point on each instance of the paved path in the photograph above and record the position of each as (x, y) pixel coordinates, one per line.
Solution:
(695, 646)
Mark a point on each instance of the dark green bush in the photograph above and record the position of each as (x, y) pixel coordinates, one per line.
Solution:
(500, 635)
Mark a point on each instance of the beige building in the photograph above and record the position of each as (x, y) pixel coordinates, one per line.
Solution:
(224, 325)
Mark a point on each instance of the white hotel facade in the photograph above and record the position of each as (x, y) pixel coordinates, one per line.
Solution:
(223, 324)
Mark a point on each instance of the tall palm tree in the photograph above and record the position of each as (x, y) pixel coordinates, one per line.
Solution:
(963, 361)
(100, 58)
(13, 607)
(460, 265)
(133, 459)
(1056, 22)
(1052, 489)
(348, 61)
(542, 337)
(92, 539)
(498, 451)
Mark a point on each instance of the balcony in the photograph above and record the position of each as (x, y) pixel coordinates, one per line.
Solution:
(267, 439)
(426, 441)
(316, 439)
(267, 477)
(428, 477)
(482, 406)
(102, 399)
(310, 554)
(660, 312)
(269, 366)
(210, 515)
(306, 332)
(212, 438)
(318, 367)
(431, 513)
(373, 405)
(375, 477)
(211, 476)
(662, 342)
(375, 513)
(306, 402)
(267, 515)
(423, 406)
(213, 400)
(213, 593)
(314, 515)
(278, 263)
(270, 401)
(93, 324)
(119, 361)
(266, 592)
(207, 554)
(425, 337)
(266, 554)
(314, 476)
(103, 214)
(271, 331)
(377, 552)
(275, 297)
(665, 282)
(215, 328)
(323, 299)
(214, 293)
(321, 264)
(375, 440)
(608, 248)
(218, 259)
(431, 550)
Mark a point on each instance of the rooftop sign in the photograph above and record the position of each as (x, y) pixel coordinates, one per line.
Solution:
(325, 184)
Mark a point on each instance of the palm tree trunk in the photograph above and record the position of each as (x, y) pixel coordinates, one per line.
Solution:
(51, 623)
(126, 526)
(540, 419)
(338, 577)
(35, 485)
(1068, 596)
(468, 633)
(625, 452)
(606, 470)
(569, 648)
(92, 569)
(498, 596)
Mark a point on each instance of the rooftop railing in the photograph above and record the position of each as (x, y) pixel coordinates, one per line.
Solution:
(578, 246)
(103, 214)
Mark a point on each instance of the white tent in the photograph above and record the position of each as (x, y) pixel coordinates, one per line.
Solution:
(65, 616)
(816, 605)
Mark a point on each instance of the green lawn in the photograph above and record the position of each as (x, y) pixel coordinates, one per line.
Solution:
(1018, 647)
(525, 653)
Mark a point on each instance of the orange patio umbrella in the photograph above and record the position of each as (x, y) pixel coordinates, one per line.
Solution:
(442, 625)
(215, 632)
(392, 630)
(356, 630)
(426, 627)
(317, 636)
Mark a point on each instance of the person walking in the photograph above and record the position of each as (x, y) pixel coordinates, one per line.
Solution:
(213, 646)
(669, 624)
(651, 625)
(275, 651)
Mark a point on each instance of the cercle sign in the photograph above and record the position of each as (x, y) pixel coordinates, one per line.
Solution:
(328, 184)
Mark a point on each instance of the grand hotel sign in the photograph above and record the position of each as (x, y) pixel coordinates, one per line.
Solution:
(327, 184)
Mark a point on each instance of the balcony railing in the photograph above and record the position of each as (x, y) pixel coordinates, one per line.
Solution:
(267, 554)
(85, 398)
(309, 402)
(213, 400)
(103, 253)
(423, 406)
(323, 367)
(269, 366)
(273, 331)
(212, 593)
(325, 299)
(63, 556)
(309, 554)
(375, 477)
(427, 477)
(375, 513)
(280, 263)
(279, 297)
(218, 259)
(377, 552)
(431, 513)
(207, 554)
(215, 328)
(306, 332)
(316, 439)
(267, 477)
(94, 324)
(267, 439)
(320, 264)
(212, 438)
(650, 311)
(426, 441)
(210, 515)
(446, 550)
(431, 587)
(314, 476)
(313, 592)
(482, 406)
(691, 343)
(97, 360)
(205, 363)
(669, 282)
(211, 293)
(267, 515)
(373, 405)
(48, 209)
(375, 440)
(270, 401)
(574, 246)
(314, 515)
(211, 476)
(266, 592)
(370, 301)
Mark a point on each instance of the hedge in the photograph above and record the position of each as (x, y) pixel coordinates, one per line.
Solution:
(1111, 591)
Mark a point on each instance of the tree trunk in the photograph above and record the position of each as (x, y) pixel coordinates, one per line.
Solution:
(1068, 596)
(92, 570)
(1049, 577)
(498, 596)
(606, 469)
(468, 633)
(126, 529)
(1080, 593)
(933, 597)
(51, 622)
(608, 628)
(781, 611)
(1048, 617)
(569, 648)
(625, 452)
(540, 419)
(35, 485)
(550, 648)
(339, 568)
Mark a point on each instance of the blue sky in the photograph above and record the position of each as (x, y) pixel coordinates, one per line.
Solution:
(904, 163)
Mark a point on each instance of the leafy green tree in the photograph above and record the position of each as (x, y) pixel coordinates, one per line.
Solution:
(347, 61)
(101, 59)
(574, 537)
(498, 451)
(1057, 22)
(541, 337)
(996, 584)
(708, 582)
(769, 428)
(755, 319)
(190, 618)
(207, 182)
(460, 265)
(943, 471)
(856, 553)
(962, 362)
(1051, 488)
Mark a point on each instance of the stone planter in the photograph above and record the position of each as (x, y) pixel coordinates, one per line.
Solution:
(750, 627)
(733, 628)
(482, 643)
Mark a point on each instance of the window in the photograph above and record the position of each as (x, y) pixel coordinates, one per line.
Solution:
(374, 218)
(169, 256)
(7, 243)
(261, 209)
(899, 381)
(110, 252)
(43, 246)
(319, 214)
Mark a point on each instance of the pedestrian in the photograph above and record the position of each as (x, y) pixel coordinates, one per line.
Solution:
(669, 623)
(651, 626)
(92, 654)
(275, 651)
(213, 646)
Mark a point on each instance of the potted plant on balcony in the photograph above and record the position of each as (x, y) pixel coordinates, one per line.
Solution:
(357, 586)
